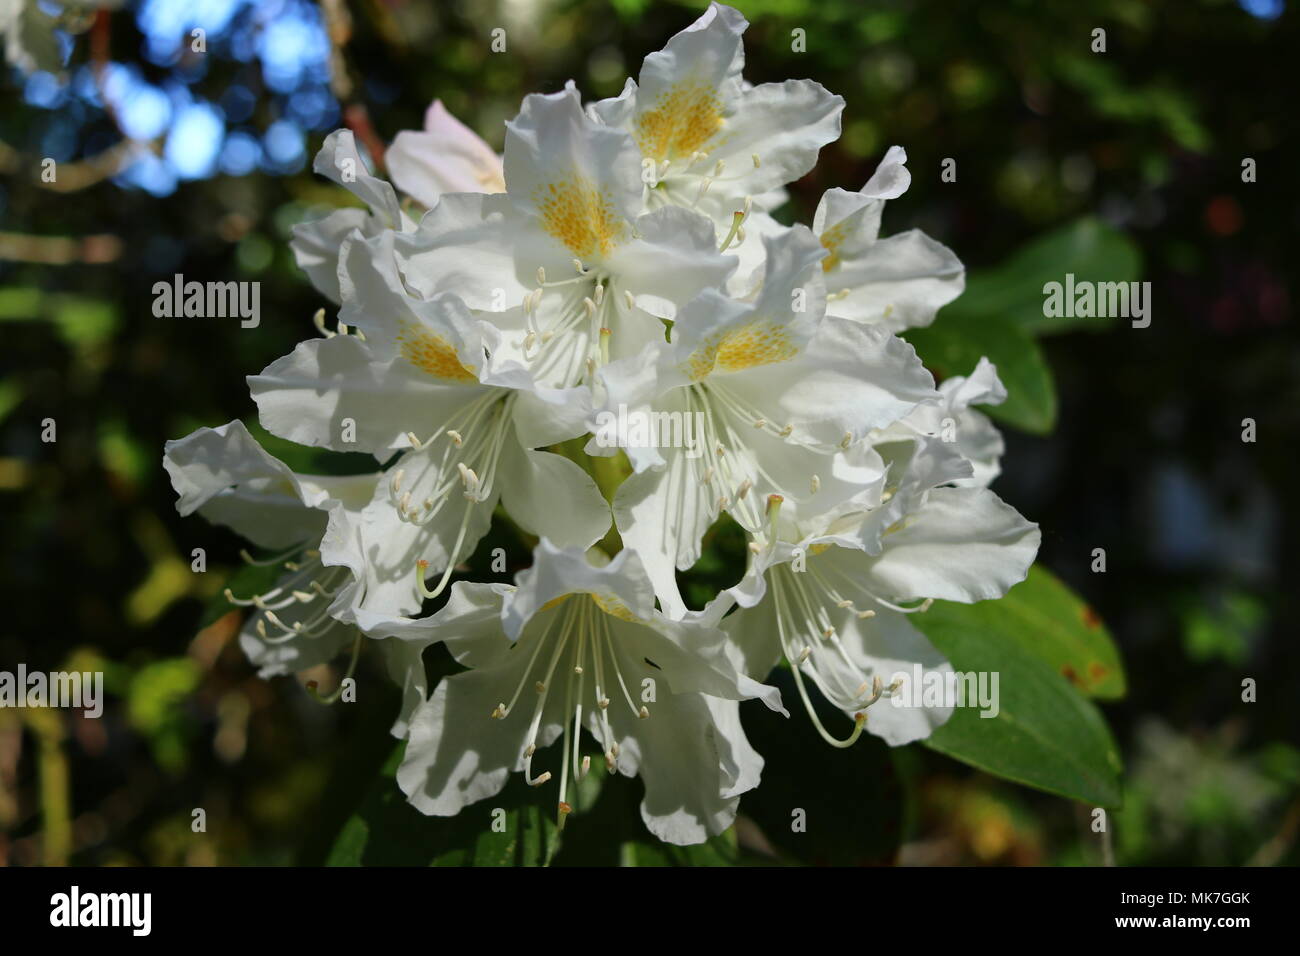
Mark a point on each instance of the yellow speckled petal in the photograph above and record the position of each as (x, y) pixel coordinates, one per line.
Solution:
(432, 354)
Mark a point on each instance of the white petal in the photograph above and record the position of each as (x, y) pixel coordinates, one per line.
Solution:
(339, 161)
(900, 282)
(551, 497)
(396, 323)
(689, 656)
(742, 765)
(678, 754)
(308, 396)
(456, 753)
(662, 515)
(582, 180)
(891, 178)
(849, 380)
(316, 245)
(480, 248)
(549, 416)
(964, 544)
(977, 438)
(469, 624)
(674, 257)
(557, 572)
(785, 125)
(707, 56)
(405, 664)
(382, 549)
(446, 157)
(224, 474)
(885, 646)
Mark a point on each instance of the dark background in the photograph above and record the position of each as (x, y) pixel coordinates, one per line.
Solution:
(1146, 460)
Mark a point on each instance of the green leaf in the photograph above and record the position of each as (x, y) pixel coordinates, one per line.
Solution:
(517, 827)
(1013, 291)
(954, 344)
(1054, 624)
(1045, 733)
(1002, 310)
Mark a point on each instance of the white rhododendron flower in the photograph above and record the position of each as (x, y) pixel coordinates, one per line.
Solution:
(604, 336)
(226, 476)
(566, 265)
(781, 395)
(410, 383)
(580, 646)
(709, 140)
(834, 599)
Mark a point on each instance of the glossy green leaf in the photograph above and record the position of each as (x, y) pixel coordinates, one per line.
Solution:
(1054, 624)
(1044, 734)
(1013, 291)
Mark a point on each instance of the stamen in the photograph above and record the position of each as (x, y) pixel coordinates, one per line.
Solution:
(267, 562)
(737, 218)
(318, 320)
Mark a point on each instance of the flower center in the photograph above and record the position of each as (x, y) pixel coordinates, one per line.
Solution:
(299, 605)
(831, 240)
(464, 453)
(802, 602)
(681, 122)
(433, 354)
(759, 343)
(582, 216)
(582, 647)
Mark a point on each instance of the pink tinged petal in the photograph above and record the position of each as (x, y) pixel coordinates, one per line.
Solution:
(446, 157)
